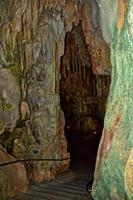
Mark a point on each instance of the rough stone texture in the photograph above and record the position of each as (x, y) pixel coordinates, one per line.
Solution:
(114, 169)
(97, 48)
(83, 94)
(9, 100)
(108, 12)
(31, 122)
(32, 35)
(13, 178)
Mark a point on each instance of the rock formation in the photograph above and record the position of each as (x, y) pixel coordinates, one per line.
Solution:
(32, 42)
(13, 178)
(83, 93)
(114, 169)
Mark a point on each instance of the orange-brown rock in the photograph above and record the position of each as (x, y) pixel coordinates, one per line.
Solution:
(13, 178)
(122, 11)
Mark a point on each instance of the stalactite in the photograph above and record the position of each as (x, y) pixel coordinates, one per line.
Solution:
(83, 85)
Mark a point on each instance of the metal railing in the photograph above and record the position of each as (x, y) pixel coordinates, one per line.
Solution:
(33, 160)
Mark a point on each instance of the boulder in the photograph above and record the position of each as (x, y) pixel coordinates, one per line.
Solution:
(13, 177)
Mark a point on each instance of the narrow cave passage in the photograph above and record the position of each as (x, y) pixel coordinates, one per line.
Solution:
(83, 99)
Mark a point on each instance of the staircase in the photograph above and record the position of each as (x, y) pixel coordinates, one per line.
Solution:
(70, 185)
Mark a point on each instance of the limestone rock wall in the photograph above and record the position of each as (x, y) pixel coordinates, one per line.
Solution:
(32, 35)
(31, 121)
(83, 93)
(108, 11)
(114, 168)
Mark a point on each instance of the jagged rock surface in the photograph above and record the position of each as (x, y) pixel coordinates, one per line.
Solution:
(83, 94)
(32, 35)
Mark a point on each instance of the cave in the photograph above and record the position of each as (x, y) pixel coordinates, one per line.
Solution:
(83, 98)
(66, 79)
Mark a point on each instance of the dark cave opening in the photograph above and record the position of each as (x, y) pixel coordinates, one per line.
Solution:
(83, 98)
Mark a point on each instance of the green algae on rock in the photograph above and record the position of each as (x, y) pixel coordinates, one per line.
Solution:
(114, 169)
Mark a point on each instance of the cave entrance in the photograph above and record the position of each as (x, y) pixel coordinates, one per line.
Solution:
(83, 98)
